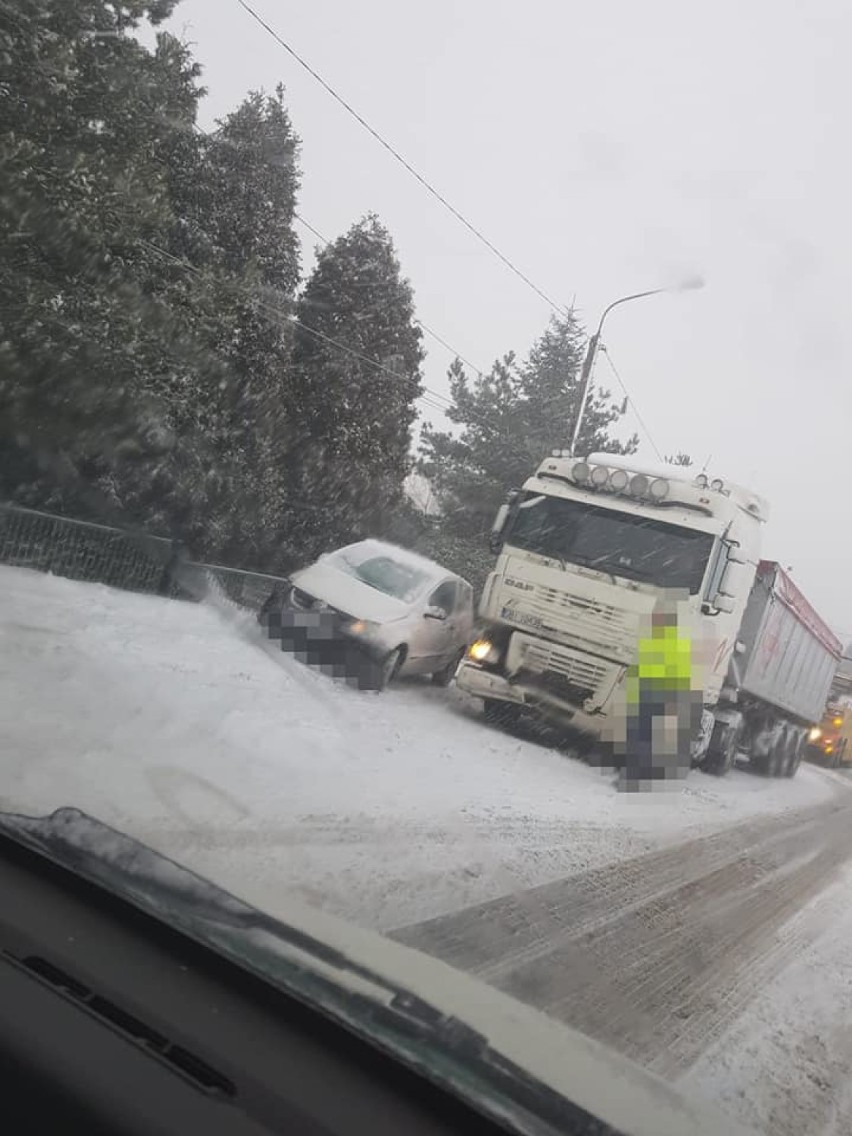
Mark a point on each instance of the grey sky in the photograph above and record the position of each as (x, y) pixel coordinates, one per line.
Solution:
(606, 148)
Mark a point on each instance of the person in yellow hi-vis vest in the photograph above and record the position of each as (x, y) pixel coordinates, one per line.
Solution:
(659, 702)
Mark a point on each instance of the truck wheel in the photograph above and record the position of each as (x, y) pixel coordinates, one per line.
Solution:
(722, 751)
(502, 714)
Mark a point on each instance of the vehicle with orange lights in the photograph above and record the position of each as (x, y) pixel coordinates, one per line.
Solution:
(830, 742)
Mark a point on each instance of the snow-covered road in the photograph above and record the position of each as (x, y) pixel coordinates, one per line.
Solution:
(182, 725)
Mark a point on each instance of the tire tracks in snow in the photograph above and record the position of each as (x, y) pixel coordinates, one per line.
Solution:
(655, 956)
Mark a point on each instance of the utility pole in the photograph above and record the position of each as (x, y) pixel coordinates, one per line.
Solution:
(594, 343)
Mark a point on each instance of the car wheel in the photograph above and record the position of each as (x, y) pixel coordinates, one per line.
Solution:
(444, 676)
(388, 668)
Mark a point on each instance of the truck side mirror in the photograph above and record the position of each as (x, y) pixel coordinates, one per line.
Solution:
(495, 538)
(730, 585)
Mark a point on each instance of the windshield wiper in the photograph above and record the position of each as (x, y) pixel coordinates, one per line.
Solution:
(417, 1032)
(442, 1047)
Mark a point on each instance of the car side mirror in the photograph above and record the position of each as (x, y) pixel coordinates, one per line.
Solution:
(435, 613)
(723, 603)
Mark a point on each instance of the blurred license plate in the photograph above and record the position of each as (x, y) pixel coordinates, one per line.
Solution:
(521, 617)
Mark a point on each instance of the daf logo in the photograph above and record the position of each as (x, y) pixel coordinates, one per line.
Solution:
(522, 585)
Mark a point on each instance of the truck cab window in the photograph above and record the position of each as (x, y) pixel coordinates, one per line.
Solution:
(618, 543)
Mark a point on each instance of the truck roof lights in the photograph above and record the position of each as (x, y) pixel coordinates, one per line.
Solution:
(600, 475)
(717, 484)
(618, 480)
(659, 488)
(639, 485)
(701, 481)
(580, 471)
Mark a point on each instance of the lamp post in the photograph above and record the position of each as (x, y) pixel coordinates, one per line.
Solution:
(591, 351)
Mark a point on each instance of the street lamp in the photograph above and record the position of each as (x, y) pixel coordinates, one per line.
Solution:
(686, 285)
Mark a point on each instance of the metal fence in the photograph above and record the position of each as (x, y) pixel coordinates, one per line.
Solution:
(138, 562)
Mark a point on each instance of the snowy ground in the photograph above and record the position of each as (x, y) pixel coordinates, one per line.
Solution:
(183, 726)
(784, 1067)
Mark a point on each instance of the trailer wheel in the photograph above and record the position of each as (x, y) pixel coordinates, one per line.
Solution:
(776, 760)
(722, 750)
(772, 761)
(797, 748)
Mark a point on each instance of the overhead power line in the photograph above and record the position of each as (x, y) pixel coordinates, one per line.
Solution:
(340, 346)
(602, 348)
(557, 307)
(323, 240)
(432, 398)
(429, 331)
(427, 185)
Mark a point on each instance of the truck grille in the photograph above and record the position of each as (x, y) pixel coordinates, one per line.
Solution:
(586, 619)
(567, 675)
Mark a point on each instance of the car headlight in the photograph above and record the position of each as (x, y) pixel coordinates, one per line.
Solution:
(815, 734)
(362, 628)
(483, 651)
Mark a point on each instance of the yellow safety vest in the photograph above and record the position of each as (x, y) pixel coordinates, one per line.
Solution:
(664, 663)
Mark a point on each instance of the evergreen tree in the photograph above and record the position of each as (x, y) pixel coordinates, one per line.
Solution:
(235, 225)
(354, 417)
(510, 419)
(147, 275)
(88, 336)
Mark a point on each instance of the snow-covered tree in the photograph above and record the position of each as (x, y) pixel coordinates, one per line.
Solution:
(356, 370)
(509, 419)
(147, 276)
(238, 216)
(680, 458)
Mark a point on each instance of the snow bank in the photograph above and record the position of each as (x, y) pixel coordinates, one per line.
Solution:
(181, 725)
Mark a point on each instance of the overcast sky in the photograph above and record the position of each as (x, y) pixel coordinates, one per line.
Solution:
(606, 148)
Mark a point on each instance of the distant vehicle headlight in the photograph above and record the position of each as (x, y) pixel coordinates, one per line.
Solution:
(483, 651)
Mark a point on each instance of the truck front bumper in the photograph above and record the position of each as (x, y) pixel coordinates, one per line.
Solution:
(488, 684)
(483, 683)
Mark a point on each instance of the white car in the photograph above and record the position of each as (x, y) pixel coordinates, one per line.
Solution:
(375, 604)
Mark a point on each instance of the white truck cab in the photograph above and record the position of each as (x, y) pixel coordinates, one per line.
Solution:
(586, 550)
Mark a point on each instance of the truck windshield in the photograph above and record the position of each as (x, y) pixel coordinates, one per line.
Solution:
(637, 548)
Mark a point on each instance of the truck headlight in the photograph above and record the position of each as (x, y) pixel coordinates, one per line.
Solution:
(815, 734)
(484, 651)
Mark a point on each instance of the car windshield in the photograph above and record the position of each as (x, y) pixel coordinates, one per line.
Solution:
(382, 571)
(307, 314)
(636, 548)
